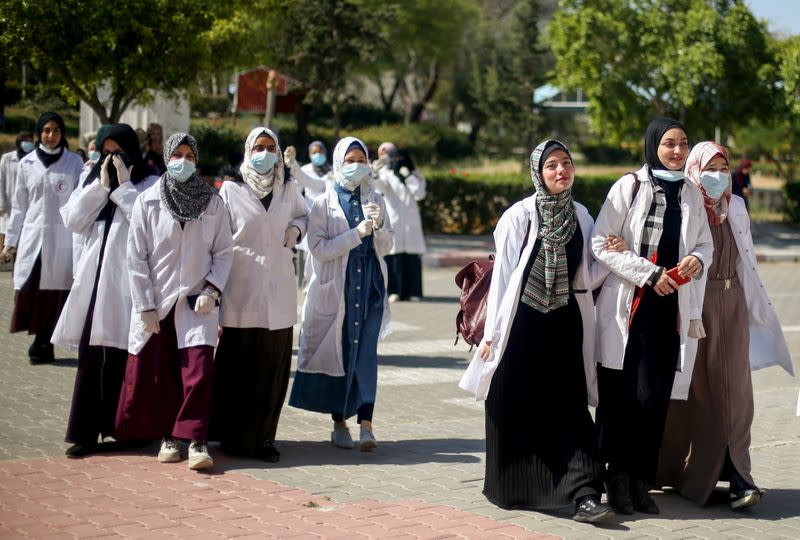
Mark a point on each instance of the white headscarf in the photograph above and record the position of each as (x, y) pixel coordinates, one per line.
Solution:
(338, 162)
(262, 184)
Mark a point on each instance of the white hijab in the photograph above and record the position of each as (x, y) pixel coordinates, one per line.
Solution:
(262, 184)
(338, 162)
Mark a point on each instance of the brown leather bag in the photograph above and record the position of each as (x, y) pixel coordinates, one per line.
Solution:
(474, 280)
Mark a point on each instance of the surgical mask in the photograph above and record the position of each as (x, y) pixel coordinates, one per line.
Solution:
(26, 146)
(667, 175)
(263, 162)
(180, 169)
(355, 172)
(94, 155)
(715, 183)
(47, 150)
(319, 159)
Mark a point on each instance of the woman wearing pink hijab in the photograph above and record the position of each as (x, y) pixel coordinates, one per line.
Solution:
(707, 437)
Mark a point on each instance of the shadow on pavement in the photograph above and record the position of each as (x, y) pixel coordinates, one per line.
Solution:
(322, 453)
(447, 362)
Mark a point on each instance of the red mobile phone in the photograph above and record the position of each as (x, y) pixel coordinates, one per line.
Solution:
(673, 273)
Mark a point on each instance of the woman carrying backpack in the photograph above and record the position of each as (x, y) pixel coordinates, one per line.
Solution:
(541, 294)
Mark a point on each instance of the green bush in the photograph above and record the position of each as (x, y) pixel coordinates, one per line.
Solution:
(791, 192)
(458, 204)
(609, 155)
(426, 142)
(219, 104)
(216, 144)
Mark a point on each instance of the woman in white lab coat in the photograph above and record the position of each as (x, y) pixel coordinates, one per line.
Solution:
(643, 316)
(179, 257)
(346, 310)
(96, 317)
(43, 270)
(259, 308)
(535, 366)
(9, 162)
(707, 437)
(402, 187)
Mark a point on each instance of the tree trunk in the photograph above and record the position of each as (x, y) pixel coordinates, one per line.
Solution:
(414, 111)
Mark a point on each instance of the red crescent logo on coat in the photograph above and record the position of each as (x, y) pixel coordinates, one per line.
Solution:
(61, 186)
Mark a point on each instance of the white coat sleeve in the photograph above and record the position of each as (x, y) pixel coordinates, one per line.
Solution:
(19, 208)
(416, 185)
(124, 197)
(142, 290)
(5, 181)
(83, 207)
(597, 272)
(306, 181)
(323, 246)
(507, 242)
(627, 264)
(299, 213)
(384, 237)
(221, 250)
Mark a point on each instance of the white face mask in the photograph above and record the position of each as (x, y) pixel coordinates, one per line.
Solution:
(181, 169)
(667, 175)
(47, 150)
(715, 183)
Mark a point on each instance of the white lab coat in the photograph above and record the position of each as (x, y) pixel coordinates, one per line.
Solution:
(313, 184)
(629, 270)
(35, 225)
(261, 290)
(331, 239)
(767, 343)
(112, 309)
(506, 288)
(8, 178)
(166, 264)
(401, 204)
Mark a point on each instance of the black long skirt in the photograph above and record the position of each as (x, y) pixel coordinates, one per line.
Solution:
(251, 377)
(634, 400)
(37, 310)
(405, 275)
(541, 442)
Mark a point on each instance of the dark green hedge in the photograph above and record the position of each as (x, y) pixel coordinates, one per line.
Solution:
(792, 193)
(459, 205)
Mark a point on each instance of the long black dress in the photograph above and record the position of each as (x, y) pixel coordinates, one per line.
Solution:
(541, 445)
(634, 400)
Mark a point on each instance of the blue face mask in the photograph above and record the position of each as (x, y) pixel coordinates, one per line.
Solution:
(94, 155)
(715, 183)
(355, 172)
(26, 146)
(263, 162)
(181, 169)
(319, 159)
(667, 175)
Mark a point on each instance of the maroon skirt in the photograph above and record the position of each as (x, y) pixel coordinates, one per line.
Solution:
(37, 310)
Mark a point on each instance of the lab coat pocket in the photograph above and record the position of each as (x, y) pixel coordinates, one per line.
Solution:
(327, 301)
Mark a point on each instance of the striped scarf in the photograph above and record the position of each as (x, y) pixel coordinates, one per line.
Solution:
(547, 286)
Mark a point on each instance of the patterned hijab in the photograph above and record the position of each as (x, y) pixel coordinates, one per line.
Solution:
(262, 184)
(547, 287)
(699, 158)
(339, 152)
(186, 201)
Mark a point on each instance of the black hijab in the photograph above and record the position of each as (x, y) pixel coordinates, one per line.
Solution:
(44, 157)
(652, 138)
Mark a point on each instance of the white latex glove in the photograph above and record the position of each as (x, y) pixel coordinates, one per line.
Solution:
(289, 156)
(364, 228)
(290, 237)
(204, 304)
(7, 254)
(696, 329)
(374, 213)
(123, 173)
(105, 180)
(150, 322)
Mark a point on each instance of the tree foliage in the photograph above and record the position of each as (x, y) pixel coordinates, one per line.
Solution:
(700, 61)
(132, 47)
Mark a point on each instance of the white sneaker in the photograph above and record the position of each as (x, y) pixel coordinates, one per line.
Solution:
(169, 452)
(367, 442)
(393, 298)
(199, 457)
